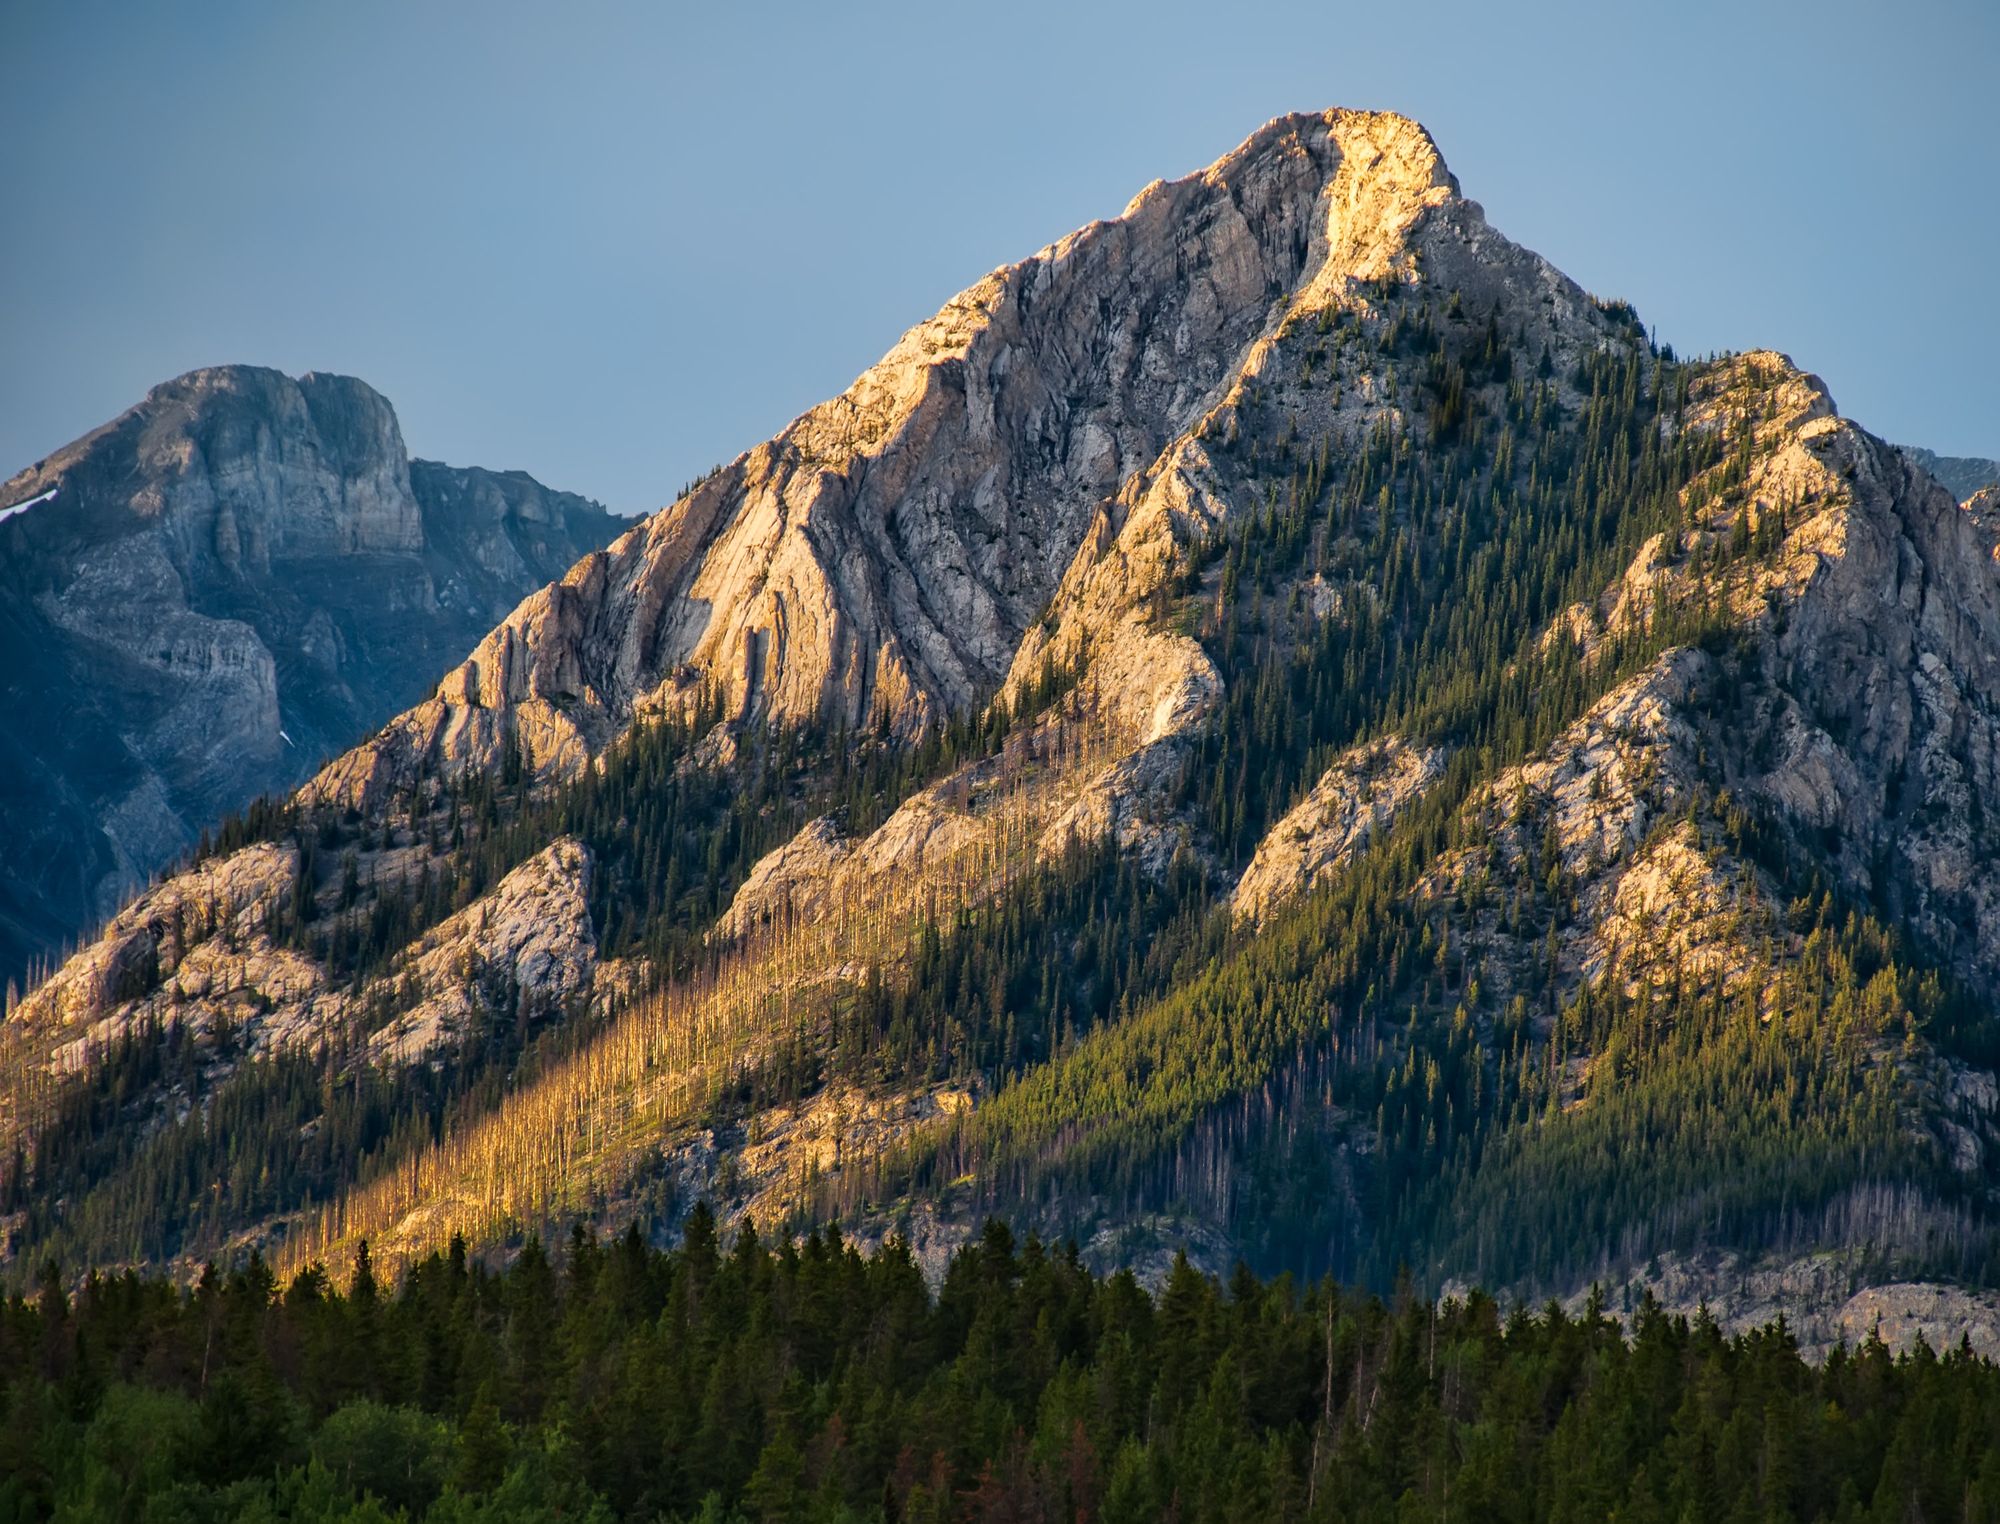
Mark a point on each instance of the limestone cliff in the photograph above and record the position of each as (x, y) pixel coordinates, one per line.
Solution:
(884, 556)
(235, 578)
(1353, 800)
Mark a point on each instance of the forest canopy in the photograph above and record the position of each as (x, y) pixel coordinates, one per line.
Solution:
(734, 1378)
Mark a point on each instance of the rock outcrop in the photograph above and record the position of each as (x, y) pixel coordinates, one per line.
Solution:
(196, 953)
(1821, 1297)
(1362, 792)
(1878, 710)
(237, 577)
(517, 953)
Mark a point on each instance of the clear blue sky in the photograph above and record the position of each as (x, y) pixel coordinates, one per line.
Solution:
(612, 244)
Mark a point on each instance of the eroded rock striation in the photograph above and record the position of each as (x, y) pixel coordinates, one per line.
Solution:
(884, 557)
(234, 579)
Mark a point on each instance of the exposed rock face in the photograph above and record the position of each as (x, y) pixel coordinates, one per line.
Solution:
(1821, 1299)
(518, 952)
(238, 576)
(1983, 508)
(792, 880)
(886, 554)
(1361, 793)
(1594, 795)
(493, 537)
(1880, 713)
(1961, 475)
(195, 951)
(198, 935)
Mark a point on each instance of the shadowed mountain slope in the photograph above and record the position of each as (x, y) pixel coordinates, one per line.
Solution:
(234, 579)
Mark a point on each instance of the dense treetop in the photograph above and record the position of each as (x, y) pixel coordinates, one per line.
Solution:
(806, 1380)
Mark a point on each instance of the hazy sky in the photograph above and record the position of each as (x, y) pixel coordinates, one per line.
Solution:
(613, 244)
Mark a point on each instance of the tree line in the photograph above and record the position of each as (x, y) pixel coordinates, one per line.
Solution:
(744, 1379)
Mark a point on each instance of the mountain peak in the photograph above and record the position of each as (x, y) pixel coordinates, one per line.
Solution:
(1386, 166)
(1343, 564)
(884, 556)
(1385, 142)
(235, 577)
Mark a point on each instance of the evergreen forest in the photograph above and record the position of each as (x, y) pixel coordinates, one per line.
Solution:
(738, 1379)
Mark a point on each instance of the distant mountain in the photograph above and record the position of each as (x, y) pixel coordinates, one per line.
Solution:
(1963, 475)
(1278, 725)
(236, 578)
